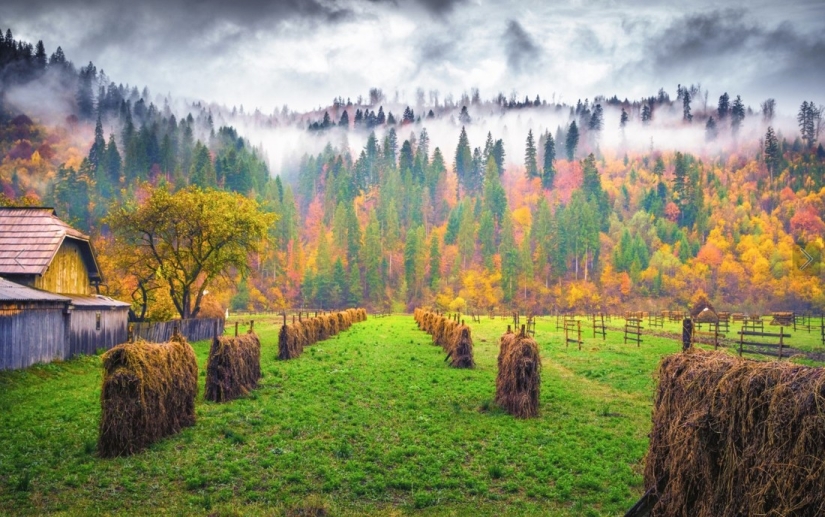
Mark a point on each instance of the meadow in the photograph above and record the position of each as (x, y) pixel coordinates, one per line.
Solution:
(371, 421)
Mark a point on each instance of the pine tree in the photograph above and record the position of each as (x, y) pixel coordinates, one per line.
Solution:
(495, 198)
(737, 115)
(572, 141)
(435, 262)
(344, 121)
(686, 114)
(487, 238)
(98, 150)
(498, 155)
(773, 154)
(372, 261)
(711, 131)
(202, 172)
(548, 176)
(112, 162)
(530, 162)
(647, 115)
(509, 259)
(466, 235)
(463, 160)
(723, 108)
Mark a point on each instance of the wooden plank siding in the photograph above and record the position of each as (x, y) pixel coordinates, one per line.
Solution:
(86, 338)
(67, 273)
(192, 329)
(30, 335)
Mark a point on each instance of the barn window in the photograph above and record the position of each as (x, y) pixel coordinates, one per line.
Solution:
(97, 321)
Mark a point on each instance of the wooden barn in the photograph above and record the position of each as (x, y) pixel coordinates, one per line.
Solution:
(49, 278)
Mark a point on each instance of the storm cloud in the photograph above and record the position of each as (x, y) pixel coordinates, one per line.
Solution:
(304, 53)
(521, 49)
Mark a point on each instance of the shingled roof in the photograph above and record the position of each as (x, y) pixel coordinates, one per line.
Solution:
(30, 238)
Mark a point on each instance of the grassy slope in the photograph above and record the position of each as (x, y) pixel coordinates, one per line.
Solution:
(371, 421)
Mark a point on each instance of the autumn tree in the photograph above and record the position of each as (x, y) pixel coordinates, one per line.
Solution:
(191, 237)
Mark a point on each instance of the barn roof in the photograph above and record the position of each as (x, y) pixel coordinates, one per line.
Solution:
(11, 292)
(97, 301)
(30, 238)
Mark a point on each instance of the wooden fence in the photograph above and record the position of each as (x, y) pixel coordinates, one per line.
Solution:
(573, 327)
(759, 340)
(599, 328)
(633, 330)
(192, 330)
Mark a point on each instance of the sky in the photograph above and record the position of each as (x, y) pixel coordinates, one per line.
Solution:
(303, 53)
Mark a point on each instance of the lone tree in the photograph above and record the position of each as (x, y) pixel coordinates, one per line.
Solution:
(191, 237)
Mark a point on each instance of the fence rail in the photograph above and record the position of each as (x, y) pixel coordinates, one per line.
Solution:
(192, 329)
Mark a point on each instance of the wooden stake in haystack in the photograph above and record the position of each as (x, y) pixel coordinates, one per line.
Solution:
(148, 393)
(518, 382)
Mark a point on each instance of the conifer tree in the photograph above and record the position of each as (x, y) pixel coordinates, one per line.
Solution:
(548, 176)
(530, 161)
(572, 141)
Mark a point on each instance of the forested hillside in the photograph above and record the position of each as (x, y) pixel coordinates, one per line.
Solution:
(589, 214)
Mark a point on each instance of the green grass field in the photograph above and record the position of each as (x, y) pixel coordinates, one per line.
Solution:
(369, 422)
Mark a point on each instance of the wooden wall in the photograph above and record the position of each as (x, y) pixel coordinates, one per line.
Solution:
(84, 338)
(40, 333)
(67, 273)
(31, 334)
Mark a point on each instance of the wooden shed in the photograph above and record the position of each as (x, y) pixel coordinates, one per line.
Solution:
(50, 307)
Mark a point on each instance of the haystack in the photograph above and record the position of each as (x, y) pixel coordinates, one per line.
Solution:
(289, 343)
(460, 354)
(736, 437)
(518, 381)
(233, 368)
(148, 393)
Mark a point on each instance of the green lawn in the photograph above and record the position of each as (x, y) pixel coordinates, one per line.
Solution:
(369, 422)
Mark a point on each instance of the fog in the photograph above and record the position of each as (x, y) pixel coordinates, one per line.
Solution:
(284, 145)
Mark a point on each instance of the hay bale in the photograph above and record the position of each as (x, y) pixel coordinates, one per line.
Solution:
(518, 381)
(289, 343)
(461, 350)
(737, 437)
(233, 368)
(148, 393)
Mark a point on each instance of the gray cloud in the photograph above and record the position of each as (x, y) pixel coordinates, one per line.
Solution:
(519, 45)
(728, 49)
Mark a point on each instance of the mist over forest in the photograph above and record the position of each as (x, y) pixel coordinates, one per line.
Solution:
(460, 200)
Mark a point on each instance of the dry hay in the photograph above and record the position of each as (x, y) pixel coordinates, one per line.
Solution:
(289, 343)
(233, 368)
(737, 437)
(518, 381)
(461, 350)
(292, 339)
(447, 335)
(148, 393)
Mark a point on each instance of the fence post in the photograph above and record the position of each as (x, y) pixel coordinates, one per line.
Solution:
(781, 340)
(236, 329)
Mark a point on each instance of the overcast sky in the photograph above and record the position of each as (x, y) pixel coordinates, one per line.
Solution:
(264, 54)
